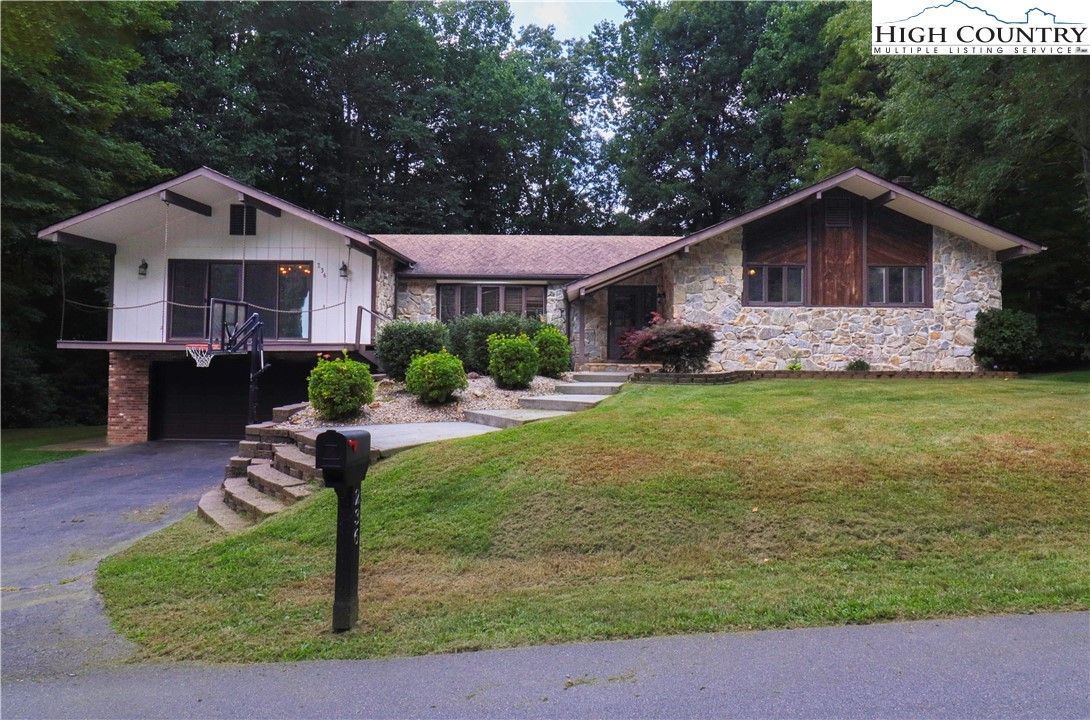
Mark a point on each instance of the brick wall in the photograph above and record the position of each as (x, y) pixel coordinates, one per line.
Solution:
(128, 406)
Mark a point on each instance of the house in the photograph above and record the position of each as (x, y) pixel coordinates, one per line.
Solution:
(852, 266)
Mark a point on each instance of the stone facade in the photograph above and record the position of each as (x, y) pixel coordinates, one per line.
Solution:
(706, 287)
(385, 289)
(595, 308)
(127, 408)
(417, 300)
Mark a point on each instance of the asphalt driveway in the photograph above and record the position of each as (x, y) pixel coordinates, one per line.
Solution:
(58, 520)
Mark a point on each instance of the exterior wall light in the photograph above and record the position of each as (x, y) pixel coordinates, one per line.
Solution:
(142, 270)
(344, 270)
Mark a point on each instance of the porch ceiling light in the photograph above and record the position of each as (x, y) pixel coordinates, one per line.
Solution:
(142, 269)
(344, 270)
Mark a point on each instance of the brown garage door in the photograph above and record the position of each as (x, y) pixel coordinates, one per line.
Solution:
(191, 403)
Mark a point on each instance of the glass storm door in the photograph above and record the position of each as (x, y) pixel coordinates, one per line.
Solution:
(630, 307)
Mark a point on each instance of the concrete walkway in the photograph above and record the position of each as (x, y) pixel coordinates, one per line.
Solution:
(1004, 667)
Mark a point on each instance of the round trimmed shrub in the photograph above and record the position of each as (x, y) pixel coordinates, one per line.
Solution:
(512, 361)
(469, 335)
(1006, 339)
(435, 376)
(339, 388)
(554, 351)
(399, 340)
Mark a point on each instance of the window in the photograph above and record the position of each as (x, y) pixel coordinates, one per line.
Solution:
(458, 300)
(895, 285)
(279, 292)
(243, 220)
(774, 284)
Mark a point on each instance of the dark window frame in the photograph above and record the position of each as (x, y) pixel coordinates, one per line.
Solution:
(924, 284)
(271, 333)
(480, 288)
(748, 299)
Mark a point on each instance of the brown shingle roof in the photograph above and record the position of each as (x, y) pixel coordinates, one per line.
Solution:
(537, 256)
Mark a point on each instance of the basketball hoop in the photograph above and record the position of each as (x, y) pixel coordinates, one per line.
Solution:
(200, 354)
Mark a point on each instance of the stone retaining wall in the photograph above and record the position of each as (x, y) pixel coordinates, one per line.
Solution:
(726, 378)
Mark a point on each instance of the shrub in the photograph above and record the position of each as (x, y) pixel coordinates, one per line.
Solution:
(554, 351)
(857, 365)
(1006, 339)
(338, 388)
(399, 340)
(434, 377)
(512, 360)
(469, 335)
(680, 347)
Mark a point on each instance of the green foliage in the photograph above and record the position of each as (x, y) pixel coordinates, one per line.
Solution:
(399, 340)
(513, 360)
(469, 335)
(857, 365)
(796, 363)
(339, 388)
(680, 347)
(435, 376)
(1006, 339)
(554, 351)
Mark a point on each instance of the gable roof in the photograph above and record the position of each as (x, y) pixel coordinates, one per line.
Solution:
(857, 181)
(544, 257)
(202, 186)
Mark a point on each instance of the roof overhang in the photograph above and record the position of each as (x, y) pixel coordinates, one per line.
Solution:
(857, 181)
(201, 191)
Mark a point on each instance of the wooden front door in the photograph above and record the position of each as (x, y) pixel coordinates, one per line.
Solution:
(630, 307)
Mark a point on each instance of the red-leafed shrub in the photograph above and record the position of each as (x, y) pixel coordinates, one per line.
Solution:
(680, 347)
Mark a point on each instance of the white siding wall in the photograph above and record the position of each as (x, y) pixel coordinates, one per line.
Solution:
(194, 237)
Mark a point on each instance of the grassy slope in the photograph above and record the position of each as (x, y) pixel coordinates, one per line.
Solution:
(666, 510)
(20, 448)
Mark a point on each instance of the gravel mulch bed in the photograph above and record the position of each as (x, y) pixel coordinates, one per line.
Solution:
(393, 404)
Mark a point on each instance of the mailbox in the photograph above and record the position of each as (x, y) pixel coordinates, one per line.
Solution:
(343, 456)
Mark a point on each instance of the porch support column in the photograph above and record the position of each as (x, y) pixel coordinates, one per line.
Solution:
(582, 329)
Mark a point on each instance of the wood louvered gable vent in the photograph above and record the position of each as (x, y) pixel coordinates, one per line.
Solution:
(838, 212)
(243, 220)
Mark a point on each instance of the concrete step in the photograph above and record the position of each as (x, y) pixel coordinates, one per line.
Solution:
(281, 486)
(589, 388)
(571, 403)
(511, 417)
(242, 497)
(290, 460)
(213, 509)
(596, 377)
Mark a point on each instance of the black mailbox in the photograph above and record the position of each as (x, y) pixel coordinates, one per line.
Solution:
(343, 456)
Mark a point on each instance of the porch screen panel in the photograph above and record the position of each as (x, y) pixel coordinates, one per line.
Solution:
(469, 299)
(261, 282)
(512, 300)
(293, 296)
(490, 300)
(448, 302)
(535, 300)
(189, 286)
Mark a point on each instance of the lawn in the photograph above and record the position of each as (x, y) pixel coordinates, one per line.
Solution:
(768, 504)
(22, 447)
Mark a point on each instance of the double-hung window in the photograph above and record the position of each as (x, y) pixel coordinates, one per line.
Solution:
(895, 285)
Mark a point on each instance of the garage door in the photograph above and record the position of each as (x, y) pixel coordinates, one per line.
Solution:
(191, 403)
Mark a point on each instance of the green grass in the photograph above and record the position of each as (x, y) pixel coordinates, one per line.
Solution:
(768, 504)
(22, 447)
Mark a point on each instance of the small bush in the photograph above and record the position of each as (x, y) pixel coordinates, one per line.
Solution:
(435, 376)
(1006, 339)
(554, 351)
(512, 360)
(398, 341)
(857, 365)
(469, 335)
(339, 388)
(680, 347)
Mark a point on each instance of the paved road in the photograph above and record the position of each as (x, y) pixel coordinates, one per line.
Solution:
(58, 520)
(60, 658)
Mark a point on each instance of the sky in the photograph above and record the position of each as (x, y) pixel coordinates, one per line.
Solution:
(572, 18)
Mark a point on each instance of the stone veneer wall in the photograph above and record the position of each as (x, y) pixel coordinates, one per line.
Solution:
(417, 300)
(127, 413)
(385, 289)
(596, 340)
(707, 288)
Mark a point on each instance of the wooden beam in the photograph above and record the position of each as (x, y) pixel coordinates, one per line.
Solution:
(186, 203)
(884, 199)
(85, 242)
(1012, 253)
(259, 204)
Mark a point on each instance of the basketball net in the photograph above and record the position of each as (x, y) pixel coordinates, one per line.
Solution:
(200, 355)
